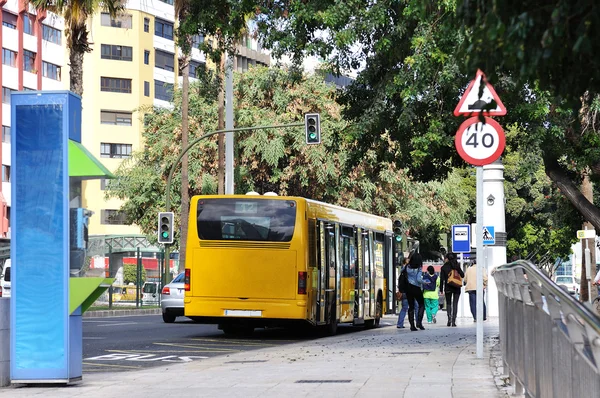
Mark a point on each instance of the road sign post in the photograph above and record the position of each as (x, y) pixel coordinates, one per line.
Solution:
(480, 141)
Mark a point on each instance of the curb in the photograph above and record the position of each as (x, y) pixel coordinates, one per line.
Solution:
(113, 313)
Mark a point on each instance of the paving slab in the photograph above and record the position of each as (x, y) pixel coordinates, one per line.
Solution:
(384, 362)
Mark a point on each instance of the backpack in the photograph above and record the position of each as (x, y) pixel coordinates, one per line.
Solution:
(432, 281)
(403, 281)
(454, 278)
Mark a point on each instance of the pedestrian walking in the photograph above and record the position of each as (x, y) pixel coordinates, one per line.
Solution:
(415, 291)
(403, 297)
(471, 289)
(431, 285)
(451, 284)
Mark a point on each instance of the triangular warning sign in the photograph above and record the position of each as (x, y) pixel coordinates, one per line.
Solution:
(472, 103)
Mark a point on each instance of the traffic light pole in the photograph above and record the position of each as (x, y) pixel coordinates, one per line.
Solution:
(197, 140)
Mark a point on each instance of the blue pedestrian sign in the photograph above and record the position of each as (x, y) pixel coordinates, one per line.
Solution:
(489, 236)
(461, 238)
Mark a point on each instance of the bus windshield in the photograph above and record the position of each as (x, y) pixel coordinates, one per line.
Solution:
(246, 219)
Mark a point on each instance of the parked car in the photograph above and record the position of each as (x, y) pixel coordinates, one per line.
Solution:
(150, 293)
(172, 299)
(570, 283)
(5, 280)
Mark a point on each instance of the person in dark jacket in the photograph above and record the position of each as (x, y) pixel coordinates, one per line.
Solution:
(415, 291)
(452, 292)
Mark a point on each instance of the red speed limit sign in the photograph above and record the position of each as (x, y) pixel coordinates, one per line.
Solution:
(480, 143)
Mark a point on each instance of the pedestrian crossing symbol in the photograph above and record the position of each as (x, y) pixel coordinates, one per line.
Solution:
(489, 236)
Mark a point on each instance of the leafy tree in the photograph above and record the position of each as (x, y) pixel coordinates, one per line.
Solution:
(76, 14)
(130, 274)
(280, 160)
(411, 78)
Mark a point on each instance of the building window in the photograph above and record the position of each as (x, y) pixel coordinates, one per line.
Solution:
(117, 151)
(147, 89)
(52, 35)
(115, 118)
(163, 91)
(196, 69)
(50, 71)
(115, 85)
(197, 40)
(6, 94)
(119, 53)
(113, 217)
(9, 20)
(28, 24)
(6, 134)
(29, 61)
(163, 29)
(147, 57)
(9, 57)
(103, 184)
(164, 60)
(5, 173)
(146, 25)
(121, 21)
(170, 2)
(29, 89)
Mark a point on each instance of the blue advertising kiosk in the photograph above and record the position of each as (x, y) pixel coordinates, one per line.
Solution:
(47, 238)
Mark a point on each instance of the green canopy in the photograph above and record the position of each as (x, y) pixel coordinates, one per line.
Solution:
(83, 165)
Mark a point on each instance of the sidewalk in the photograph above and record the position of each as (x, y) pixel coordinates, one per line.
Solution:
(384, 362)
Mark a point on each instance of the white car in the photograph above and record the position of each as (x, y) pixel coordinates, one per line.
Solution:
(171, 301)
(570, 283)
(5, 280)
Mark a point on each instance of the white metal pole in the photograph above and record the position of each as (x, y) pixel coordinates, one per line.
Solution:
(229, 125)
(462, 296)
(588, 267)
(480, 262)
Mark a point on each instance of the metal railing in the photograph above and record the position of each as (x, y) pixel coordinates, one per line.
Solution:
(550, 342)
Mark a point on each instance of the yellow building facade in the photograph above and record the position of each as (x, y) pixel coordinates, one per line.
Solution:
(133, 64)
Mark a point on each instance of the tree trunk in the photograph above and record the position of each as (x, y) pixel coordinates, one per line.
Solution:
(584, 293)
(221, 126)
(76, 70)
(185, 194)
(587, 209)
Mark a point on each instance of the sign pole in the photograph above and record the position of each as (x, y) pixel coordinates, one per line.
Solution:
(462, 301)
(480, 261)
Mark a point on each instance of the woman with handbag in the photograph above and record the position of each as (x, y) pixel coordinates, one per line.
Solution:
(402, 296)
(415, 291)
(451, 283)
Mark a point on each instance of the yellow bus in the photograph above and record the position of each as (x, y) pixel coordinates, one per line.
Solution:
(269, 261)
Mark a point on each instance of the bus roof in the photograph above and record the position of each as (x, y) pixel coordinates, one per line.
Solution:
(322, 210)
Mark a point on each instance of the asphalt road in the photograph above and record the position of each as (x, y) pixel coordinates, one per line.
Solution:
(133, 342)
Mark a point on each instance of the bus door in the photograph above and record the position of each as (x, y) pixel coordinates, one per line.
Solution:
(358, 277)
(329, 271)
(322, 280)
(366, 280)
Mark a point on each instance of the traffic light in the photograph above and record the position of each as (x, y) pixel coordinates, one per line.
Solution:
(312, 127)
(165, 227)
(398, 230)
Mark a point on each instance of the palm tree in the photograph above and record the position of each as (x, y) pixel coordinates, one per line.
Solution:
(76, 14)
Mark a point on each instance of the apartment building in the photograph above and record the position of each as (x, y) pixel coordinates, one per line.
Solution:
(33, 58)
(133, 63)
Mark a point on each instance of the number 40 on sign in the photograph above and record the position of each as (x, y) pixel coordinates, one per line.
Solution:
(480, 143)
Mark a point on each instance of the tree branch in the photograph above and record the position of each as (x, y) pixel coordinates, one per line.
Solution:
(589, 212)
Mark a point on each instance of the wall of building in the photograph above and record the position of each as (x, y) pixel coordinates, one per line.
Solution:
(46, 72)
